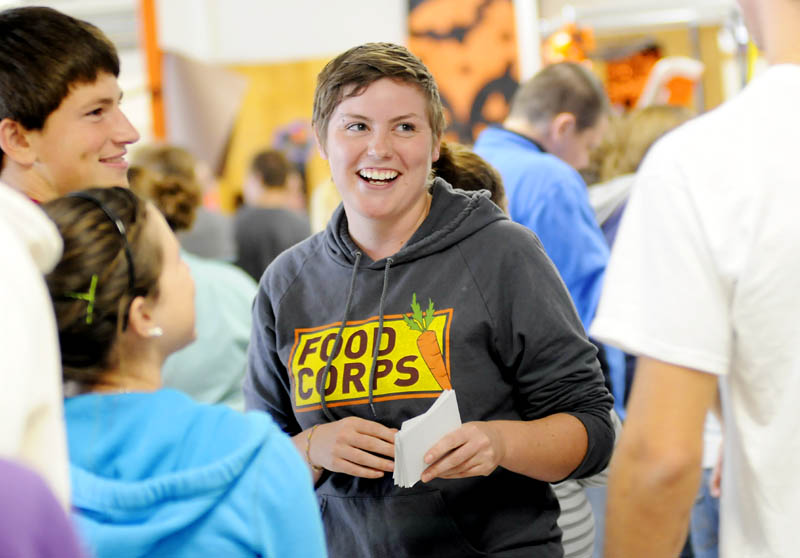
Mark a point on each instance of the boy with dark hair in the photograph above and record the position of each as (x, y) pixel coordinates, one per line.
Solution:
(60, 130)
(61, 127)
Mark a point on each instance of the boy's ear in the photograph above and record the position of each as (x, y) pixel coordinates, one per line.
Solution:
(562, 125)
(319, 145)
(15, 142)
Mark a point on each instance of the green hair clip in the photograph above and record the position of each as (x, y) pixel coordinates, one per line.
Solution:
(88, 297)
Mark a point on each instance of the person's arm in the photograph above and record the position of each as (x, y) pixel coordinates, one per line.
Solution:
(548, 449)
(565, 428)
(656, 468)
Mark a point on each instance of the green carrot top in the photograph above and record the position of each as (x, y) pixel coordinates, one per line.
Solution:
(418, 321)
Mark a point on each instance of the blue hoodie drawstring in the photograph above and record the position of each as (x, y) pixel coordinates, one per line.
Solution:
(389, 262)
(338, 340)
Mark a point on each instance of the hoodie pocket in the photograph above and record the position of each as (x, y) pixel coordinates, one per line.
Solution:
(397, 526)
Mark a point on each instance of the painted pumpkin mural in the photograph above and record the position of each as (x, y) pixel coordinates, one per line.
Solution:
(470, 47)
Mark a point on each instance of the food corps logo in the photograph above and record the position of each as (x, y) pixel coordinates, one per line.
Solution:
(413, 359)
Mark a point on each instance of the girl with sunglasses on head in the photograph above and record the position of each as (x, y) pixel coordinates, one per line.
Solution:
(155, 473)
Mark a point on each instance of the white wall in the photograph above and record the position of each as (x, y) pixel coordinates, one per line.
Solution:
(641, 15)
(260, 31)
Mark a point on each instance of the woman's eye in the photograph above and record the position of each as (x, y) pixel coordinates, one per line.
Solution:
(357, 127)
(406, 127)
(95, 112)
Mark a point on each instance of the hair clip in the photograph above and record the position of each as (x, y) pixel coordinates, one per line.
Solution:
(120, 226)
(88, 297)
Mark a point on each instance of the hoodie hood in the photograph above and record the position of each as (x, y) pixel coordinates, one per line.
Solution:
(34, 229)
(145, 466)
(454, 215)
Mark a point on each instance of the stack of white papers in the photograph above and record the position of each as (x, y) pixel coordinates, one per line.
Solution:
(419, 434)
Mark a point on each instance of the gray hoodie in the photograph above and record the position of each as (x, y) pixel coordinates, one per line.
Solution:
(470, 302)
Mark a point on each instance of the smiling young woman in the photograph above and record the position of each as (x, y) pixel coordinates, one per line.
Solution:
(340, 376)
(380, 147)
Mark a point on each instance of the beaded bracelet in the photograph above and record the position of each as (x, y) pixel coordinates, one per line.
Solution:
(315, 468)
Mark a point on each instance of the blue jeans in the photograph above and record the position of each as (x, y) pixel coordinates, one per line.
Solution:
(704, 526)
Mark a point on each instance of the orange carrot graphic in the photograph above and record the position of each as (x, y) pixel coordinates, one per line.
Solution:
(427, 343)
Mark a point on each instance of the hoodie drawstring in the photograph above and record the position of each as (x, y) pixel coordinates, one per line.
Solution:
(338, 340)
(389, 262)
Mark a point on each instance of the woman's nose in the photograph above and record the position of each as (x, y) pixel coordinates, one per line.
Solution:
(380, 145)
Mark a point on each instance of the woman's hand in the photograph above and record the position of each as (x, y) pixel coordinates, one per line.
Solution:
(473, 450)
(347, 446)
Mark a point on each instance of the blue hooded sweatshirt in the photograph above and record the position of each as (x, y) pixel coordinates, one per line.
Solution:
(157, 474)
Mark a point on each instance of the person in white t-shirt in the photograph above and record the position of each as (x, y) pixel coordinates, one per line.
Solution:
(703, 285)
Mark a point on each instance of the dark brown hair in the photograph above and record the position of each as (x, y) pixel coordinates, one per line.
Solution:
(93, 247)
(165, 175)
(354, 70)
(465, 169)
(43, 53)
(272, 167)
(563, 87)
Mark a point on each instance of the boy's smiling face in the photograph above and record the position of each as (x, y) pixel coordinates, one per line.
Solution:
(83, 142)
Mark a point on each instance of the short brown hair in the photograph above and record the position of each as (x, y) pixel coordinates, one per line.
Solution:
(272, 167)
(93, 247)
(563, 87)
(465, 169)
(165, 175)
(363, 65)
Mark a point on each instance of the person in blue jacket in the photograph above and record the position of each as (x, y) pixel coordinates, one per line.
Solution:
(153, 472)
(556, 118)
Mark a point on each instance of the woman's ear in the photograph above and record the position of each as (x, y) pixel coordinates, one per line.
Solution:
(141, 318)
(437, 147)
(320, 145)
(15, 143)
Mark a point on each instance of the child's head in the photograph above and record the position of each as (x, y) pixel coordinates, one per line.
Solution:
(165, 175)
(465, 169)
(270, 170)
(59, 102)
(120, 283)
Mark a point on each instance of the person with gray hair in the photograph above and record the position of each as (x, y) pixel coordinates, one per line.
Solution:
(556, 118)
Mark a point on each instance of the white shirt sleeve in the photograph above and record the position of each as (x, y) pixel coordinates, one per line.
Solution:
(663, 295)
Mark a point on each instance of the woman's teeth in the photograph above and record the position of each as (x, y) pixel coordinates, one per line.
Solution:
(378, 176)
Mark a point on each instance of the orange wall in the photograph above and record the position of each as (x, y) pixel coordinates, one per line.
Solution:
(277, 94)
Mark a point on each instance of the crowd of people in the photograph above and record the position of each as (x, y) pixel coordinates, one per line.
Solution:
(170, 396)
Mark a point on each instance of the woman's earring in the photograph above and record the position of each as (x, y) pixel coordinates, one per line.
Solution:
(155, 332)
